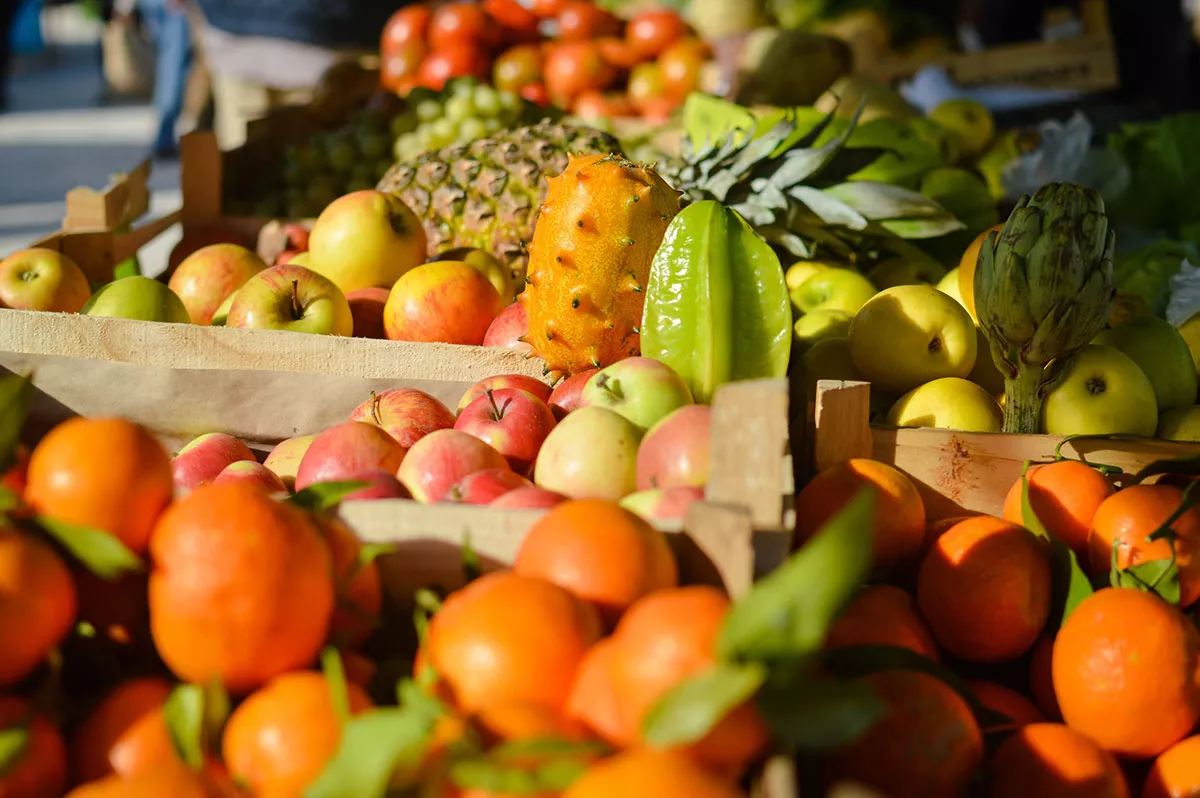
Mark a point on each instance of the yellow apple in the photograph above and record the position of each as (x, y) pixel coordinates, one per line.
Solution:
(819, 325)
(948, 285)
(1190, 330)
(948, 403)
(800, 271)
(1160, 351)
(827, 360)
(1180, 424)
(911, 334)
(832, 289)
(1103, 393)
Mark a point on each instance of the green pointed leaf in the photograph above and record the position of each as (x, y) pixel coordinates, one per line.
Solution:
(217, 707)
(879, 201)
(819, 714)
(691, 710)
(1069, 584)
(16, 392)
(98, 551)
(525, 767)
(472, 566)
(325, 495)
(183, 713)
(788, 613)
(427, 605)
(1155, 576)
(931, 227)
(829, 208)
(14, 742)
(335, 675)
(373, 744)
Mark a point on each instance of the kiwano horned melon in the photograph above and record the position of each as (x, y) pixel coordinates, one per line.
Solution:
(596, 234)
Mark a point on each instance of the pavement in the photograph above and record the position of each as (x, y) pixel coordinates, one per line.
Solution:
(56, 136)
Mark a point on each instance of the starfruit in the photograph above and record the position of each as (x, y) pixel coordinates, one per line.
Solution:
(717, 307)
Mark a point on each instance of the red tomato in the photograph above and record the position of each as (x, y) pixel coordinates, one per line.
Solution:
(646, 85)
(593, 104)
(573, 69)
(652, 32)
(400, 66)
(517, 66)
(619, 52)
(547, 9)
(517, 22)
(410, 23)
(680, 65)
(453, 61)
(581, 20)
(458, 24)
(536, 93)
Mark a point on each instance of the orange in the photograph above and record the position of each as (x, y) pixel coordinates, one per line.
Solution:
(592, 700)
(966, 268)
(883, 615)
(646, 773)
(241, 588)
(1176, 772)
(37, 603)
(984, 588)
(171, 778)
(665, 638)
(601, 552)
(1017, 708)
(899, 511)
(360, 597)
(927, 745)
(522, 720)
(1050, 759)
(1041, 678)
(125, 734)
(106, 473)
(1129, 516)
(41, 771)
(507, 637)
(935, 529)
(1126, 672)
(281, 737)
(1064, 496)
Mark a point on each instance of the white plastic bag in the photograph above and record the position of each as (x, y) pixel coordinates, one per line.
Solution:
(1066, 155)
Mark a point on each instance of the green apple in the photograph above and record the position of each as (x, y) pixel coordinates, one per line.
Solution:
(819, 325)
(800, 271)
(1160, 351)
(641, 389)
(292, 298)
(905, 271)
(222, 313)
(137, 297)
(1103, 393)
(1180, 424)
(948, 403)
(911, 334)
(948, 285)
(832, 289)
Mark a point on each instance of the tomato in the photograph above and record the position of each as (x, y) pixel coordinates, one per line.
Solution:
(547, 9)
(659, 110)
(680, 65)
(580, 20)
(408, 24)
(573, 69)
(593, 104)
(619, 52)
(453, 61)
(401, 65)
(652, 32)
(517, 66)
(646, 85)
(457, 24)
(517, 23)
(536, 93)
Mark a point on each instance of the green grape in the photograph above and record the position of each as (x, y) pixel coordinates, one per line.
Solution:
(443, 131)
(429, 110)
(493, 126)
(463, 86)
(425, 139)
(460, 107)
(404, 146)
(343, 156)
(472, 129)
(487, 101)
(373, 145)
(509, 101)
(403, 123)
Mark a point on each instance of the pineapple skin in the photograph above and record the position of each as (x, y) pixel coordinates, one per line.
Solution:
(603, 219)
(486, 194)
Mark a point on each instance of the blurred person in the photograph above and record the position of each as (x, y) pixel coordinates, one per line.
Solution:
(170, 30)
(8, 15)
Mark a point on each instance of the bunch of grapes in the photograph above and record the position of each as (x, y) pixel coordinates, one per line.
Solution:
(461, 113)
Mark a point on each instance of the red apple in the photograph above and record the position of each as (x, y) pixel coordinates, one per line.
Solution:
(199, 462)
(209, 276)
(567, 394)
(519, 381)
(443, 458)
(508, 329)
(528, 498)
(445, 301)
(253, 472)
(404, 413)
(483, 487)
(512, 421)
(384, 485)
(366, 306)
(285, 458)
(675, 452)
(663, 504)
(196, 238)
(340, 453)
(297, 236)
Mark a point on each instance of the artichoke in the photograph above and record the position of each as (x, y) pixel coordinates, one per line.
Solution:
(1043, 289)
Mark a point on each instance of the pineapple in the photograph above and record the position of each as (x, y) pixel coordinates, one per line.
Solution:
(486, 194)
(603, 220)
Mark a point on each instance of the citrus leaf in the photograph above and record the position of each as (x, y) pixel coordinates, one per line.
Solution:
(183, 713)
(324, 495)
(819, 714)
(524, 767)
(98, 551)
(427, 603)
(1155, 576)
(9, 500)
(472, 567)
(335, 675)
(14, 742)
(692, 708)
(16, 391)
(216, 711)
(787, 614)
(373, 743)
(1069, 585)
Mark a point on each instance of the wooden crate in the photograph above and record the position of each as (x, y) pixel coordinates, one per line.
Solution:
(958, 473)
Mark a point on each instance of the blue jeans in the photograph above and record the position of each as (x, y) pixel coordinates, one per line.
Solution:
(169, 28)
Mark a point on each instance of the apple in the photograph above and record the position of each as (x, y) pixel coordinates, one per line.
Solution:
(519, 381)
(1160, 352)
(507, 329)
(297, 236)
(285, 458)
(209, 276)
(948, 403)
(911, 334)
(676, 450)
(366, 238)
(345, 450)
(221, 314)
(300, 259)
(137, 297)
(640, 388)
(663, 504)
(483, 487)
(1103, 393)
(383, 485)
(528, 499)
(450, 303)
(42, 279)
(513, 422)
(253, 472)
(800, 271)
(291, 298)
(1128, 307)
(499, 275)
(204, 457)
(832, 289)
(827, 360)
(567, 395)
(949, 286)
(905, 271)
(441, 459)
(404, 413)
(819, 325)
(591, 453)
(196, 238)
(366, 308)
(1180, 424)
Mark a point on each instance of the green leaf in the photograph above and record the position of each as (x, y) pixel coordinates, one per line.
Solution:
(819, 714)
(930, 227)
(9, 500)
(98, 551)
(216, 711)
(183, 713)
(472, 567)
(427, 605)
(325, 495)
(525, 767)
(335, 675)
(788, 613)
(691, 710)
(879, 201)
(1068, 582)
(14, 742)
(1155, 576)
(16, 392)
(373, 744)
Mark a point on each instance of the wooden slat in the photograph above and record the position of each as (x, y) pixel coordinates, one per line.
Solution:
(750, 463)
